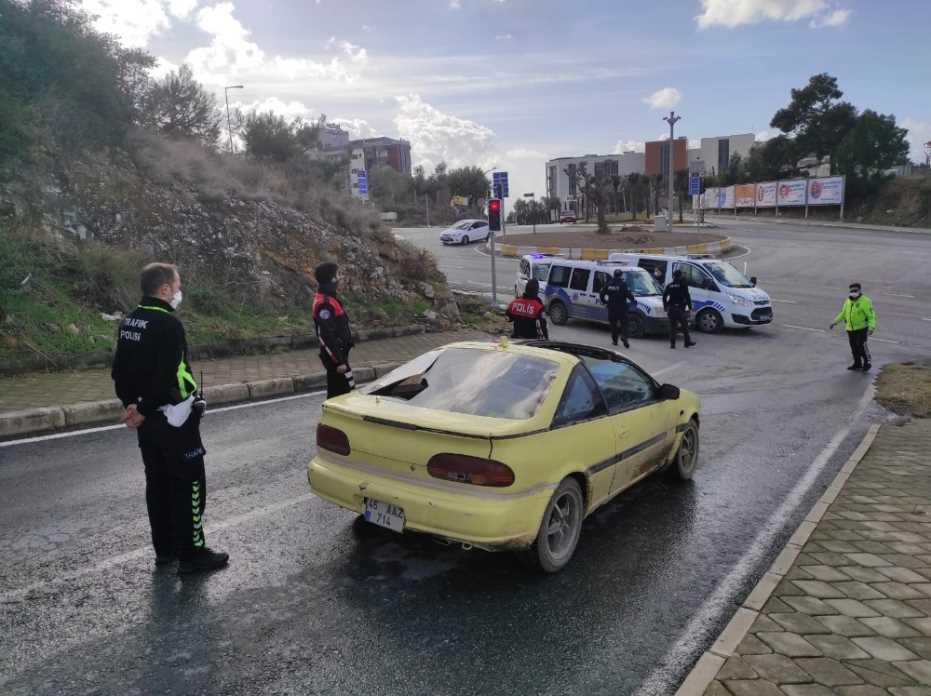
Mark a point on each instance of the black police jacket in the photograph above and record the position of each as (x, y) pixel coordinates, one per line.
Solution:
(616, 295)
(332, 325)
(676, 296)
(150, 367)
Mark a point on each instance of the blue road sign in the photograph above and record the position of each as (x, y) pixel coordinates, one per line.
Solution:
(499, 181)
(694, 185)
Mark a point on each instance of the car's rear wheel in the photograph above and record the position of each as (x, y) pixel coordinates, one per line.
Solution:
(465, 240)
(558, 313)
(686, 458)
(559, 531)
(635, 327)
(709, 321)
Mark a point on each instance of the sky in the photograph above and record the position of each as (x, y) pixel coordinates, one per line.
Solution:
(512, 83)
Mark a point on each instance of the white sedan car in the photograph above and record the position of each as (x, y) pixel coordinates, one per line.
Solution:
(466, 232)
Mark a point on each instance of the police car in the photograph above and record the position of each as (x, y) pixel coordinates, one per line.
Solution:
(722, 297)
(571, 290)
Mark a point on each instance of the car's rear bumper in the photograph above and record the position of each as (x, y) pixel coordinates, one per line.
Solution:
(490, 519)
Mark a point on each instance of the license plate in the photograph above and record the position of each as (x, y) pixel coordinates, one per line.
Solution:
(384, 515)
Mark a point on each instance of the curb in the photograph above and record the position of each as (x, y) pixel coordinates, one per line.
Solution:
(706, 669)
(38, 421)
(588, 254)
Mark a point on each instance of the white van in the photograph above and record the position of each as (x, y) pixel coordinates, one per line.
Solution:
(722, 297)
(533, 266)
(572, 290)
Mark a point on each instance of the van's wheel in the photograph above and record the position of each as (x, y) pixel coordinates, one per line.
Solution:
(709, 321)
(686, 457)
(635, 327)
(465, 240)
(558, 313)
(559, 531)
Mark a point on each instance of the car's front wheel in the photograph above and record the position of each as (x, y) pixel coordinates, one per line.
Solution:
(709, 321)
(686, 458)
(635, 327)
(558, 313)
(559, 531)
(465, 240)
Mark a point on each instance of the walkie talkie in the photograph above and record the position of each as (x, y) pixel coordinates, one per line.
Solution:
(200, 403)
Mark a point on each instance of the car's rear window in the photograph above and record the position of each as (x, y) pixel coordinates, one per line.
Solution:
(495, 384)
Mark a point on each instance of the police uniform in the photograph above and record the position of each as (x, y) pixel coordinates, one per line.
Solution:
(617, 295)
(335, 338)
(526, 313)
(150, 370)
(678, 303)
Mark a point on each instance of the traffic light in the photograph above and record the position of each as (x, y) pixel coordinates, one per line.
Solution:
(494, 214)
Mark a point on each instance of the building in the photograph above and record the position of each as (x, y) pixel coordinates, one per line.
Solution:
(332, 137)
(657, 156)
(716, 153)
(561, 172)
(381, 152)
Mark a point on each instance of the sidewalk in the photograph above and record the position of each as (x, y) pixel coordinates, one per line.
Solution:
(849, 610)
(58, 390)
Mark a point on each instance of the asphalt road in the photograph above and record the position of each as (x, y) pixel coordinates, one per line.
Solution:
(312, 603)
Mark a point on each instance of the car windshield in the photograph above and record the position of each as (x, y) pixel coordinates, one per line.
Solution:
(462, 225)
(641, 283)
(541, 271)
(494, 384)
(727, 275)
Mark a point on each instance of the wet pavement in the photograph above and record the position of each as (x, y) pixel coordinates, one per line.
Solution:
(314, 603)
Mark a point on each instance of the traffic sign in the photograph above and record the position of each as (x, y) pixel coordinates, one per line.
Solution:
(363, 182)
(499, 184)
(694, 185)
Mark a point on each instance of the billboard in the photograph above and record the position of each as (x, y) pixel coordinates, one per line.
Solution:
(726, 196)
(711, 199)
(792, 192)
(358, 177)
(766, 194)
(745, 195)
(826, 191)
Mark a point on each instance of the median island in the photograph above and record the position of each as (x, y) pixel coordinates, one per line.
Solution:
(621, 239)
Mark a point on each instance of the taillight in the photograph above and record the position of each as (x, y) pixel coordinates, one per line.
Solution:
(332, 439)
(474, 470)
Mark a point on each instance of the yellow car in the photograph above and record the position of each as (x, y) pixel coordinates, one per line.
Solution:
(502, 446)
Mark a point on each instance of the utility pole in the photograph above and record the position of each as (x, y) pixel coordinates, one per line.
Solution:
(672, 120)
(229, 124)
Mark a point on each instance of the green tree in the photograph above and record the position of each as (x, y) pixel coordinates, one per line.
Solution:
(816, 118)
(271, 137)
(470, 182)
(872, 146)
(390, 188)
(179, 106)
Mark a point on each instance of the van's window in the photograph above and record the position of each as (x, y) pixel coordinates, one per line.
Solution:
(601, 279)
(622, 384)
(693, 276)
(727, 275)
(581, 400)
(525, 268)
(580, 279)
(494, 384)
(559, 276)
(652, 264)
(641, 283)
(541, 271)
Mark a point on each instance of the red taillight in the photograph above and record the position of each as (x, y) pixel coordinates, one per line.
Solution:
(332, 439)
(478, 472)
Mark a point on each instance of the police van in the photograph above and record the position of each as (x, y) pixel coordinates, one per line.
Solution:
(571, 290)
(722, 297)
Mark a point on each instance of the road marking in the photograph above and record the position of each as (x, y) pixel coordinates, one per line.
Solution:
(926, 318)
(234, 521)
(884, 340)
(696, 633)
(895, 294)
(784, 301)
(88, 431)
(668, 368)
(803, 328)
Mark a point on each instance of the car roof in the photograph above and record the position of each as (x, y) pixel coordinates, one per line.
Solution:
(564, 352)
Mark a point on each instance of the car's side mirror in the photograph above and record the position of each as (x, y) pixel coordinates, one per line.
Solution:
(669, 392)
(753, 281)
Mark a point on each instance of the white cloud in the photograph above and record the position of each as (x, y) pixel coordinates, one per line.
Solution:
(133, 22)
(437, 137)
(288, 109)
(504, 37)
(767, 134)
(357, 127)
(455, 4)
(629, 146)
(735, 13)
(664, 98)
(162, 68)
(919, 133)
(182, 9)
(368, 29)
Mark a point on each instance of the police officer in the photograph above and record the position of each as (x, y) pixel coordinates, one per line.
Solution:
(859, 318)
(152, 378)
(526, 313)
(616, 295)
(678, 305)
(333, 333)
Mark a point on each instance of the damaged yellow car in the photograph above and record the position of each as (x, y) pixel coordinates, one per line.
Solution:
(505, 446)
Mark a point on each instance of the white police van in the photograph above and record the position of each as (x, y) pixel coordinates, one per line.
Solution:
(571, 290)
(722, 297)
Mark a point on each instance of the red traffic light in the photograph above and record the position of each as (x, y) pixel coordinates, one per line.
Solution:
(494, 205)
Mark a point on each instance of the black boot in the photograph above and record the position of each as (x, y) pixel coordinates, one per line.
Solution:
(855, 366)
(202, 561)
(626, 343)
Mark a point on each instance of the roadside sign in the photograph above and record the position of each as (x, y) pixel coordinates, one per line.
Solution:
(697, 167)
(499, 184)
(694, 184)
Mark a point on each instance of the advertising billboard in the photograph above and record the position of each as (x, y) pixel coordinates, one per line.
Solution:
(792, 193)
(745, 195)
(826, 191)
(711, 199)
(766, 194)
(727, 197)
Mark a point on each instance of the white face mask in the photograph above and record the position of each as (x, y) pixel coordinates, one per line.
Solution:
(176, 300)
(854, 295)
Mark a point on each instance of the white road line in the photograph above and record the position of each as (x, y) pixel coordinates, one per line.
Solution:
(668, 368)
(895, 294)
(784, 301)
(926, 318)
(234, 521)
(721, 600)
(884, 340)
(88, 431)
(803, 328)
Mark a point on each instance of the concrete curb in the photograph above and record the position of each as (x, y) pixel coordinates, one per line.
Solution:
(38, 421)
(586, 254)
(706, 669)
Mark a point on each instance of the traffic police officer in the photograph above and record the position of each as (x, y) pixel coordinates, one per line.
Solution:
(860, 321)
(154, 381)
(678, 305)
(526, 313)
(333, 333)
(616, 295)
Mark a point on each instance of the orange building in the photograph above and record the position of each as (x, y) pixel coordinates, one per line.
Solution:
(657, 156)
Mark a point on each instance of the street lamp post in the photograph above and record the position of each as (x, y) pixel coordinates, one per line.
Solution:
(229, 125)
(671, 119)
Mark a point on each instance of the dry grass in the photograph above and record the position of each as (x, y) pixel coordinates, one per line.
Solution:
(905, 389)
